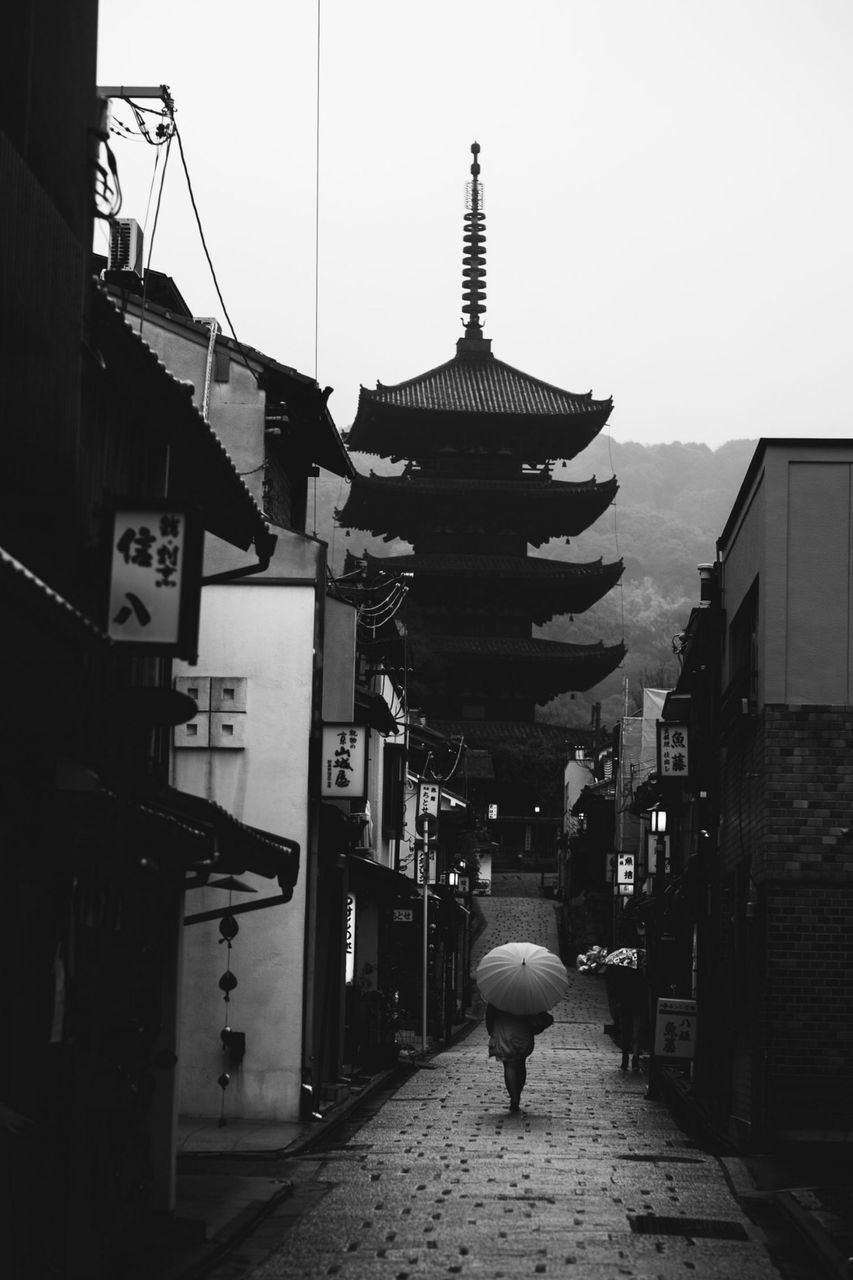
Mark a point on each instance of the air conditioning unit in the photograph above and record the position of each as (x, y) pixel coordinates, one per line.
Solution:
(125, 246)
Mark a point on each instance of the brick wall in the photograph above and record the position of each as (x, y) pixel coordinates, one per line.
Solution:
(787, 802)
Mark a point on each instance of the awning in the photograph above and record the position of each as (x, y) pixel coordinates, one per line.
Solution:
(178, 834)
(230, 847)
(375, 878)
(372, 709)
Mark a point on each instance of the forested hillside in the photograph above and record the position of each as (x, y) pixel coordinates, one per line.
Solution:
(672, 503)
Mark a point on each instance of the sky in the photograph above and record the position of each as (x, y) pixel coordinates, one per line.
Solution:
(668, 193)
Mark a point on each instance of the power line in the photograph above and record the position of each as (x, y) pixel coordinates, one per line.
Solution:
(209, 259)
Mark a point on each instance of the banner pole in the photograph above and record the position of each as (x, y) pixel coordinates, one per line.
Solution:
(425, 963)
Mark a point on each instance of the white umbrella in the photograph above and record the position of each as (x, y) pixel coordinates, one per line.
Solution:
(521, 977)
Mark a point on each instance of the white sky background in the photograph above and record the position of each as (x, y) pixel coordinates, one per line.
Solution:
(668, 193)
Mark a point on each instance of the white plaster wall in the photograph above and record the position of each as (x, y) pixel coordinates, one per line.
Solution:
(266, 634)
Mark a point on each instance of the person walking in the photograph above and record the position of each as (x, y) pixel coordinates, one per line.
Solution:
(511, 1041)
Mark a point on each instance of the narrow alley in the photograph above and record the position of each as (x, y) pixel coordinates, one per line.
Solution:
(589, 1180)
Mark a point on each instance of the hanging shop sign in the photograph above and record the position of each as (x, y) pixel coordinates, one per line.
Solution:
(626, 869)
(673, 750)
(344, 761)
(349, 940)
(155, 577)
(429, 798)
(426, 848)
(675, 1028)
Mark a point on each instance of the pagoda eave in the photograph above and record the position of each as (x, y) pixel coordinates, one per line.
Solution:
(493, 734)
(392, 430)
(404, 506)
(540, 669)
(464, 585)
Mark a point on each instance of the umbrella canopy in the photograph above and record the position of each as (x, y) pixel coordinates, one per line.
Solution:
(521, 977)
(624, 957)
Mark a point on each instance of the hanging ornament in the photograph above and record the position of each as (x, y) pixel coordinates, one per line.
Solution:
(227, 983)
(228, 929)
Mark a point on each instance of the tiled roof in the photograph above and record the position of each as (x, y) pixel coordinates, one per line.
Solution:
(404, 507)
(483, 385)
(203, 461)
(504, 567)
(518, 647)
(494, 732)
(37, 597)
(428, 486)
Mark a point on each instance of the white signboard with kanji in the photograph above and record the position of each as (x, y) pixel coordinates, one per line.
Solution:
(344, 762)
(625, 868)
(673, 750)
(675, 1028)
(349, 940)
(429, 798)
(155, 578)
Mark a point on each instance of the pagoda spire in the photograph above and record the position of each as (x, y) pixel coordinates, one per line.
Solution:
(474, 253)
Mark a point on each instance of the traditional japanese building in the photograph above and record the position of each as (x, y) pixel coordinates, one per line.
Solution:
(479, 439)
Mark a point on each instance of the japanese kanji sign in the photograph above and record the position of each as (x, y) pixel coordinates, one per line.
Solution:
(675, 1028)
(155, 578)
(429, 798)
(349, 940)
(626, 869)
(344, 765)
(673, 750)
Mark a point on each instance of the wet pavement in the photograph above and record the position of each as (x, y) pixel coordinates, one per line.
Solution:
(433, 1176)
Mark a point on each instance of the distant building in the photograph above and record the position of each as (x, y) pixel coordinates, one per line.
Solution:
(479, 439)
(756, 915)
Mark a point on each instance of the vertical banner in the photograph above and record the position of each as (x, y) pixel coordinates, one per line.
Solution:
(626, 870)
(426, 847)
(349, 940)
(673, 750)
(429, 798)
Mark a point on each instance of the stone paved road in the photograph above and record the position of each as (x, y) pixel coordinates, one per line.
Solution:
(443, 1181)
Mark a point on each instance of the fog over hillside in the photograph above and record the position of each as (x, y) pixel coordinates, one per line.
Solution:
(672, 503)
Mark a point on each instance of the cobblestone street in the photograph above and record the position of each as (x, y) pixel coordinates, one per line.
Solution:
(588, 1180)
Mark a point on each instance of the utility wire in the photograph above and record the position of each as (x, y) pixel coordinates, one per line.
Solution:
(209, 260)
(154, 227)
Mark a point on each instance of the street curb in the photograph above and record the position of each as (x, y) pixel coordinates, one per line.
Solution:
(817, 1239)
(230, 1239)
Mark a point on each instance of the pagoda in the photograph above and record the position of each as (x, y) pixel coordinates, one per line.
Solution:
(479, 439)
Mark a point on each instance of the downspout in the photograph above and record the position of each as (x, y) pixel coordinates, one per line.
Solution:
(213, 326)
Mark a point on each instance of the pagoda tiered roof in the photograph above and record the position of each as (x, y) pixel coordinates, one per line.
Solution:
(476, 403)
(403, 506)
(488, 734)
(485, 665)
(479, 437)
(541, 587)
